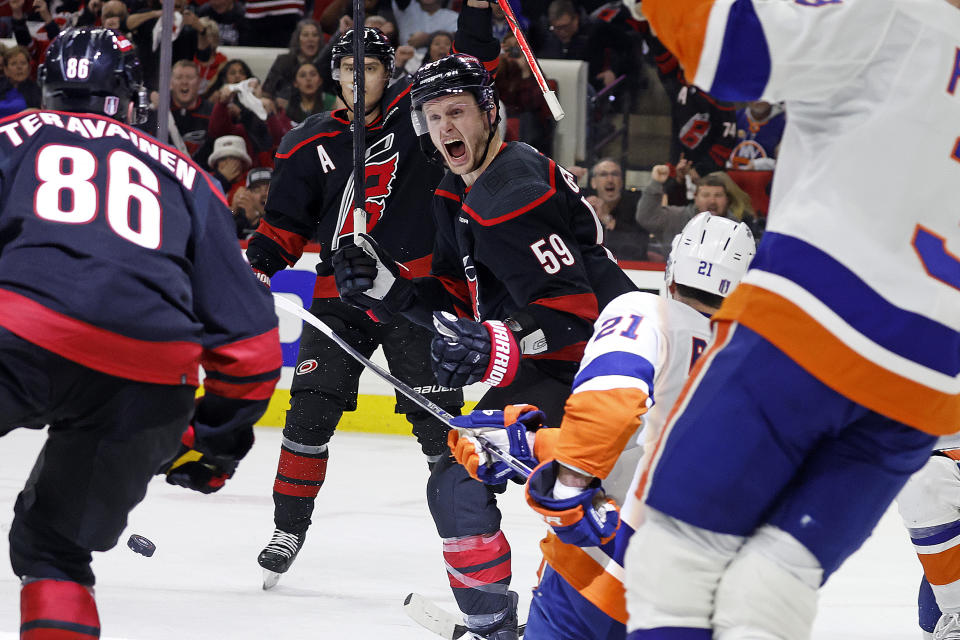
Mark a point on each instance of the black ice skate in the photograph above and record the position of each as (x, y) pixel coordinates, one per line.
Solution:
(503, 629)
(278, 555)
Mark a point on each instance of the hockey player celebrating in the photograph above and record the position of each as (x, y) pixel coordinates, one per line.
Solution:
(837, 359)
(642, 349)
(311, 196)
(517, 279)
(119, 274)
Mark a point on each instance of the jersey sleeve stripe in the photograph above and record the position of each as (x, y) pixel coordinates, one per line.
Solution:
(617, 363)
(296, 147)
(582, 305)
(522, 210)
(682, 26)
(743, 65)
(247, 391)
(936, 535)
(446, 194)
(247, 357)
(792, 330)
(173, 363)
(292, 244)
(845, 294)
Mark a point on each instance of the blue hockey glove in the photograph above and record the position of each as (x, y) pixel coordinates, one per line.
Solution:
(369, 279)
(507, 430)
(205, 466)
(464, 352)
(585, 520)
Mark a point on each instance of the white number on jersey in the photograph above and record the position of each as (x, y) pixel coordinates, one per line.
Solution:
(548, 257)
(67, 194)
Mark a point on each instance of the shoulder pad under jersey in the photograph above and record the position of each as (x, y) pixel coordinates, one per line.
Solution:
(519, 180)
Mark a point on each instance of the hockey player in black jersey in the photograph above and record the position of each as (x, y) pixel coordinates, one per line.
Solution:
(120, 273)
(311, 196)
(517, 279)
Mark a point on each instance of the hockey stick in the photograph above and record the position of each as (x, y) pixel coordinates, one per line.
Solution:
(359, 122)
(548, 93)
(294, 309)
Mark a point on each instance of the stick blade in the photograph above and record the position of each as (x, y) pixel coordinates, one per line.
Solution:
(428, 615)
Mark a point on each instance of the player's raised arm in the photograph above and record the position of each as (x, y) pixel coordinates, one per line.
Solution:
(778, 50)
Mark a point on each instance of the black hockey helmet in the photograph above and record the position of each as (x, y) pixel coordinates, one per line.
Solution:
(375, 45)
(457, 73)
(93, 70)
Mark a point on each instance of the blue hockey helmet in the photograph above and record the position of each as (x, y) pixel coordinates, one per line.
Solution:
(94, 70)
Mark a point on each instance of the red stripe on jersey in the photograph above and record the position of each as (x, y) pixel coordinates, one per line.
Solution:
(522, 210)
(295, 490)
(241, 391)
(447, 194)
(582, 305)
(390, 106)
(247, 357)
(325, 287)
(172, 362)
(292, 243)
(301, 467)
(572, 352)
(489, 65)
(297, 146)
(458, 289)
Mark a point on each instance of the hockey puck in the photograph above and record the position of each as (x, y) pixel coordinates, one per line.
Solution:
(141, 545)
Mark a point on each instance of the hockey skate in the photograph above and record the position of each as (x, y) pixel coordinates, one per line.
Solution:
(503, 629)
(948, 627)
(278, 555)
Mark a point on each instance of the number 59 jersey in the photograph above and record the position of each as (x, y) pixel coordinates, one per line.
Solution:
(118, 253)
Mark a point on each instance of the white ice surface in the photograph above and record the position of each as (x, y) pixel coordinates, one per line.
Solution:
(372, 541)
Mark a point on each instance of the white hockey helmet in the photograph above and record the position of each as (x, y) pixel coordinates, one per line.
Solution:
(711, 254)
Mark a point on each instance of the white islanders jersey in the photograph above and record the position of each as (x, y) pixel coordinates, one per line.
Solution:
(857, 277)
(634, 367)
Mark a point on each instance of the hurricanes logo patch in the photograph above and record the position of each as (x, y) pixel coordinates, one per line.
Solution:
(307, 366)
(381, 173)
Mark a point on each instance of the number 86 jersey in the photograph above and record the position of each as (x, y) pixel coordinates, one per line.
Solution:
(118, 253)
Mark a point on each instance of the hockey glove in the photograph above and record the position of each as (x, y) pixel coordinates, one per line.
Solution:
(507, 430)
(206, 466)
(369, 279)
(261, 276)
(464, 352)
(587, 519)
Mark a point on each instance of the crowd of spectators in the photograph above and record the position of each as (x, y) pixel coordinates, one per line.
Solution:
(231, 122)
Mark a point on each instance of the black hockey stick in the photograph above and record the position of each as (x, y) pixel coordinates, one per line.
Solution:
(295, 309)
(359, 122)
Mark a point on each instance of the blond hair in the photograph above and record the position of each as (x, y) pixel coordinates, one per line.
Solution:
(738, 202)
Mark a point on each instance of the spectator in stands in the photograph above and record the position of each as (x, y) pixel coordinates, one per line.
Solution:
(330, 19)
(229, 18)
(110, 15)
(304, 47)
(617, 209)
(527, 114)
(240, 109)
(36, 44)
(438, 46)
(145, 29)
(269, 23)
(189, 115)
(248, 202)
(703, 130)
(209, 59)
(416, 20)
(308, 96)
(16, 71)
(229, 163)
(230, 72)
(759, 129)
(716, 193)
(605, 48)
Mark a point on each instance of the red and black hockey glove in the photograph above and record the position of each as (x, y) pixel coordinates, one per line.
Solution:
(464, 352)
(369, 279)
(206, 465)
